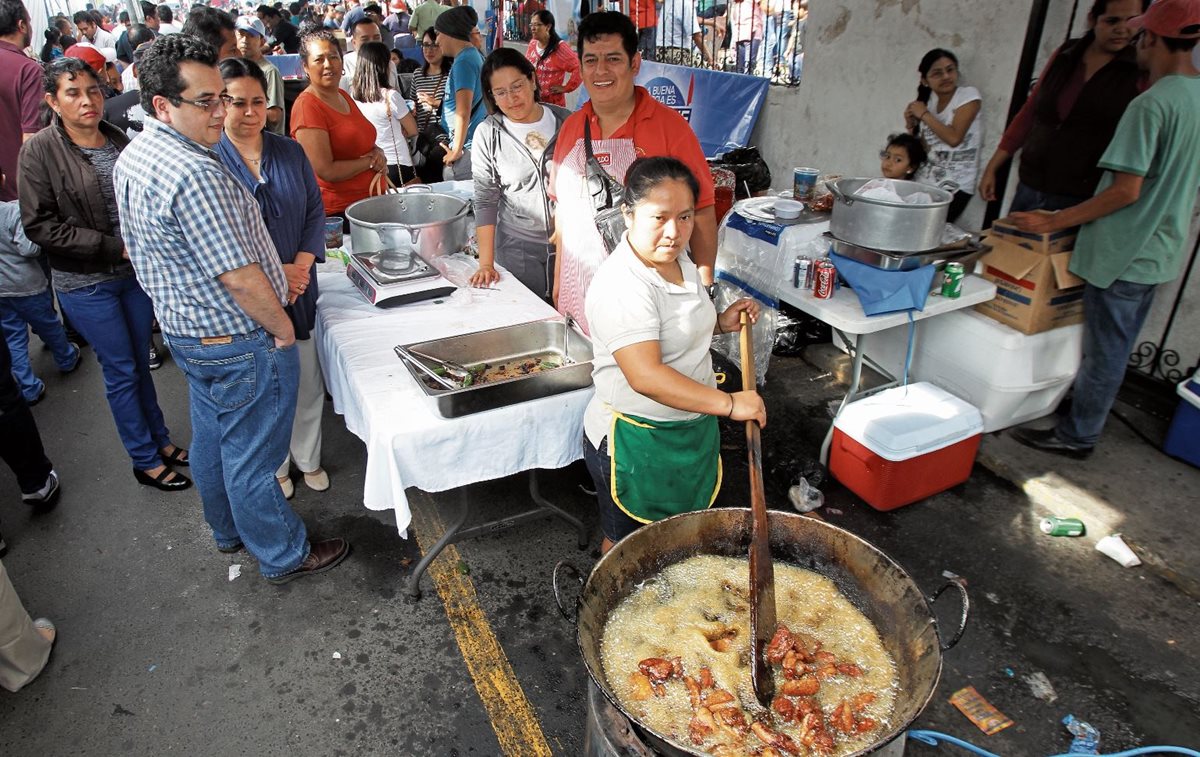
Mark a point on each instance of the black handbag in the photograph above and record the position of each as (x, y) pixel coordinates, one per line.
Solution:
(607, 197)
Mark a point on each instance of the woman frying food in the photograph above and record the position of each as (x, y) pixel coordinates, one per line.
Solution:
(652, 443)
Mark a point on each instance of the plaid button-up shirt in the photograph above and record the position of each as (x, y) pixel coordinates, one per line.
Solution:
(185, 221)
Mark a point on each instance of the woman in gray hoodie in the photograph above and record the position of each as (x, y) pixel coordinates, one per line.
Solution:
(510, 163)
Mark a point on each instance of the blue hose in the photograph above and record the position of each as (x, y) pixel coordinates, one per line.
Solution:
(933, 738)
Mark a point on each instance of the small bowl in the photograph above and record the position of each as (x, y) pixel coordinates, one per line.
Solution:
(788, 209)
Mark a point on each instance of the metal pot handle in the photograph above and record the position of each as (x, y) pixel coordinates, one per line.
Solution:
(961, 585)
(413, 188)
(567, 567)
(839, 194)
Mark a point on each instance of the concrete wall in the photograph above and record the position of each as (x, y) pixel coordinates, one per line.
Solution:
(860, 71)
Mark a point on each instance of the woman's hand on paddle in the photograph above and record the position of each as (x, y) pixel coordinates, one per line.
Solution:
(748, 406)
(731, 319)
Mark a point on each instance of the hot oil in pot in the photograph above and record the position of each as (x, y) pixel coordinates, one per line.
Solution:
(697, 610)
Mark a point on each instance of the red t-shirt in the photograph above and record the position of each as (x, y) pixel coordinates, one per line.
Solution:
(655, 129)
(351, 136)
(20, 99)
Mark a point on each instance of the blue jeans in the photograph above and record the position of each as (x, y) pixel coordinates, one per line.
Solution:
(243, 398)
(117, 317)
(17, 314)
(747, 56)
(614, 523)
(1027, 198)
(779, 33)
(646, 43)
(1112, 319)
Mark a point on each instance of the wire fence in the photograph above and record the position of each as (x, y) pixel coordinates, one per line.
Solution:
(756, 37)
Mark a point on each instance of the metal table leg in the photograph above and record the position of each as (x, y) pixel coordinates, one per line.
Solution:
(452, 534)
(456, 533)
(855, 377)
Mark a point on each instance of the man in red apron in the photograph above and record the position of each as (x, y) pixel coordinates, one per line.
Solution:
(625, 123)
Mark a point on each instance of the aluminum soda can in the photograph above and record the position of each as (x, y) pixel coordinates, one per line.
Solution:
(824, 278)
(1063, 526)
(802, 272)
(952, 280)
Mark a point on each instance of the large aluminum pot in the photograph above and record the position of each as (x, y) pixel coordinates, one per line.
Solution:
(889, 226)
(431, 223)
(875, 584)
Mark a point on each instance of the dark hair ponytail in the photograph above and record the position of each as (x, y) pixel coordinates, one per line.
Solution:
(927, 61)
(546, 18)
(645, 174)
(53, 37)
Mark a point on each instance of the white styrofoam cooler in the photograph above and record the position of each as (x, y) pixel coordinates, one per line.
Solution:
(1011, 377)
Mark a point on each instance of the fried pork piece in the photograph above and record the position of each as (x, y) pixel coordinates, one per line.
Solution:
(658, 671)
(780, 645)
(783, 707)
(804, 686)
(642, 690)
(721, 639)
(774, 739)
(702, 725)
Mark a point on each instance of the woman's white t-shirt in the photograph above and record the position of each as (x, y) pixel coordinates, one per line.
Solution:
(629, 303)
(389, 134)
(535, 136)
(953, 165)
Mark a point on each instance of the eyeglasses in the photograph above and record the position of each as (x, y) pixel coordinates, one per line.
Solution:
(515, 89)
(429, 45)
(225, 100)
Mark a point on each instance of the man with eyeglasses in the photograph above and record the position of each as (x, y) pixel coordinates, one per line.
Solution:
(1135, 226)
(625, 123)
(201, 250)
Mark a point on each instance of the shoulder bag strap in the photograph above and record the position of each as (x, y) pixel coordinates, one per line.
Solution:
(613, 191)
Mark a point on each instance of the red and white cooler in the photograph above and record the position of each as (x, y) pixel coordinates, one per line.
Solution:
(905, 444)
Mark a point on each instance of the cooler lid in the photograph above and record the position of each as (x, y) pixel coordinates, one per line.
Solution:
(1189, 390)
(910, 421)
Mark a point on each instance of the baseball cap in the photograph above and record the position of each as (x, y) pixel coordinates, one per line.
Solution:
(109, 53)
(1178, 19)
(88, 55)
(252, 25)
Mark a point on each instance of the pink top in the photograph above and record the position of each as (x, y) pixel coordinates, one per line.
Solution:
(553, 71)
(746, 18)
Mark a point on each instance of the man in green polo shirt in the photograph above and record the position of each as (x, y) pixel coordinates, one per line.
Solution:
(423, 17)
(1135, 227)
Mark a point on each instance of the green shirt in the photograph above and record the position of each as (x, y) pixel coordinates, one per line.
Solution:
(274, 94)
(424, 16)
(1158, 138)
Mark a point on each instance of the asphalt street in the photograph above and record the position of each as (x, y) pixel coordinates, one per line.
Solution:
(161, 650)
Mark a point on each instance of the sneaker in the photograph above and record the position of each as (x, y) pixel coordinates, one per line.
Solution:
(74, 362)
(155, 358)
(41, 395)
(322, 556)
(47, 495)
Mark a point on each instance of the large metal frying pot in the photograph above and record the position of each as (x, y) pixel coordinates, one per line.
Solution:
(890, 226)
(875, 584)
(429, 222)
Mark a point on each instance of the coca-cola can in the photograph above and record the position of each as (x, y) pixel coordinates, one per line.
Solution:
(824, 279)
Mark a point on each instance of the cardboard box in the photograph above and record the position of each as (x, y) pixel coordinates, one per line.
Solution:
(1057, 241)
(1034, 290)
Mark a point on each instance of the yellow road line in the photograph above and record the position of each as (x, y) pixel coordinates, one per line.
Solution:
(512, 717)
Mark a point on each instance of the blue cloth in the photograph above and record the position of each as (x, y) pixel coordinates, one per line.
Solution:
(1112, 319)
(117, 317)
(187, 221)
(882, 291)
(1028, 198)
(747, 57)
(17, 314)
(291, 206)
(240, 391)
(466, 73)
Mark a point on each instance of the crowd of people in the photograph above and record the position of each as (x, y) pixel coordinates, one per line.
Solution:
(210, 220)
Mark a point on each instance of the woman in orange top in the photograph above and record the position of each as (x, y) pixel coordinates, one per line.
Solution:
(556, 63)
(337, 138)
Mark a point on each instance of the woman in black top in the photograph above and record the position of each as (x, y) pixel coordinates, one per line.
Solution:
(1072, 113)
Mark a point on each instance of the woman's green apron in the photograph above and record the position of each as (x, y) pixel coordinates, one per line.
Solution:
(663, 468)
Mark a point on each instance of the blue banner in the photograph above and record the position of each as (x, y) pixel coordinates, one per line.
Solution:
(721, 107)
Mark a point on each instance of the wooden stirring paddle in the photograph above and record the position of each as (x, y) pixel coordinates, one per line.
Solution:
(762, 571)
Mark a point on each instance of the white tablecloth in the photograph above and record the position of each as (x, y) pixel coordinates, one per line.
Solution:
(408, 443)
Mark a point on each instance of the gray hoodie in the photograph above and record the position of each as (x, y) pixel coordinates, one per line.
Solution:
(510, 184)
(20, 272)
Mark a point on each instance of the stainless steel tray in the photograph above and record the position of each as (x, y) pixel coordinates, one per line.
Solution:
(504, 345)
(966, 253)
